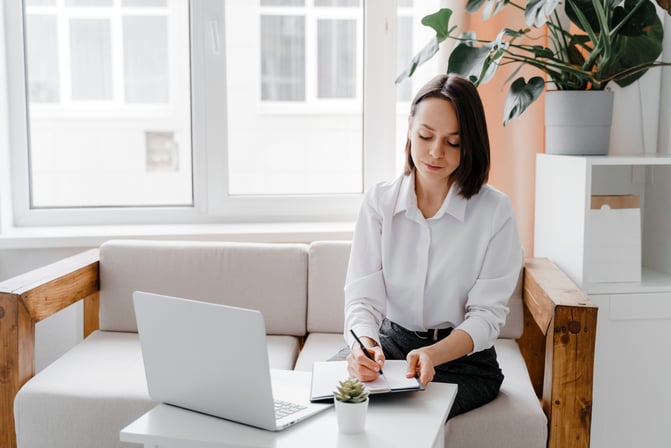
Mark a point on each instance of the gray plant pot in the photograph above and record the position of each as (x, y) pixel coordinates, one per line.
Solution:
(578, 122)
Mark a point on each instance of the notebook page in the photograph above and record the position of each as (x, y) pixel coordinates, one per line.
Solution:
(394, 375)
(327, 374)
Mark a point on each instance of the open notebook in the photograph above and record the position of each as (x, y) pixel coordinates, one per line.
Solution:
(327, 374)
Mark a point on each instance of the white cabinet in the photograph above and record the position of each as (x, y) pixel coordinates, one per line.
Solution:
(632, 392)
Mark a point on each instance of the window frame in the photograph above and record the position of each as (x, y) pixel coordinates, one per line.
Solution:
(312, 14)
(212, 203)
(116, 105)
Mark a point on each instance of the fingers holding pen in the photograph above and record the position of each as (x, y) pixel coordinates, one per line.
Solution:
(362, 367)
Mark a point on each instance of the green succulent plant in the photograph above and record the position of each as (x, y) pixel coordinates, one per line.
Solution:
(351, 391)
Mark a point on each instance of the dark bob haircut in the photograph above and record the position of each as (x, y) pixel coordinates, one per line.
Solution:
(473, 169)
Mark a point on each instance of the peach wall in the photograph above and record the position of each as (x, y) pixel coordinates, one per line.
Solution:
(514, 146)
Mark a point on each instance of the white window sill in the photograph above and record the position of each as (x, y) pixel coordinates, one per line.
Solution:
(93, 236)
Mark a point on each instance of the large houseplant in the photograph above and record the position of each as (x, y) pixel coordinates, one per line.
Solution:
(597, 42)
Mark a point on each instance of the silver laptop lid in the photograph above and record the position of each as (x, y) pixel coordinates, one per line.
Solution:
(206, 357)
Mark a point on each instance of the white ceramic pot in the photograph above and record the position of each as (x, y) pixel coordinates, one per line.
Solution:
(351, 416)
(578, 122)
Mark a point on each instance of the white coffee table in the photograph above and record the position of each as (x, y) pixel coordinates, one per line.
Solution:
(413, 419)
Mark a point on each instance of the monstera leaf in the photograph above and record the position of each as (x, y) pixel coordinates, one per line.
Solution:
(585, 8)
(521, 95)
(491, 7)
(480, 63)
(472, 62)
(643, 17)
(634, 51)
(537, 12)
(440, 22)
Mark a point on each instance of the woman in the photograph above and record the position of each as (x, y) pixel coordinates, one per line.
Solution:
(435, 254)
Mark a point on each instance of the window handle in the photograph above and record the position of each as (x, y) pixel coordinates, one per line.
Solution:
(216, 40)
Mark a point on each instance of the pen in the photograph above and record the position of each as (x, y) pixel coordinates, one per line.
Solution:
(363, 347)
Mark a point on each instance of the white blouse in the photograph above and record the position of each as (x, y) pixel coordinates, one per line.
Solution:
(456, 269)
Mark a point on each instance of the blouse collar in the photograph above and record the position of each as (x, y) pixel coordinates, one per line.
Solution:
(454, 203)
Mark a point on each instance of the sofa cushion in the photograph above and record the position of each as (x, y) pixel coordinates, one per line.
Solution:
(319, 347)
(85, 397)
(514, 419)
(88, 395)
(271, 278)
(326, 286)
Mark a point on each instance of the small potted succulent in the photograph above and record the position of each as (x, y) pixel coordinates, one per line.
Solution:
(351, 403)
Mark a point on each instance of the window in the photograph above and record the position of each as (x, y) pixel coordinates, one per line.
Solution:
(139, 111)
(108, 115)
(304, 122)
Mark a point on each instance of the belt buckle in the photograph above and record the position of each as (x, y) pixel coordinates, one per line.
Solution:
(435, 334)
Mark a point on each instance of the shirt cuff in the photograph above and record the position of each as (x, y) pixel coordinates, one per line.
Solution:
(362, 331)
(480, 333)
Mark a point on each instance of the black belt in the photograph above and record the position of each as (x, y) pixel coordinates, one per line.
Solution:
(434, 334)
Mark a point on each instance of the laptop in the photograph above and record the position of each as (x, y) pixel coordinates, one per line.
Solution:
(213, 359)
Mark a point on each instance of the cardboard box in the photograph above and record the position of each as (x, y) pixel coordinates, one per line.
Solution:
(613, 240)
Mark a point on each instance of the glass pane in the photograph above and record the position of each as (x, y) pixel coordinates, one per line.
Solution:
(282, 58)
(144, 3)
(404, 54)
(311, 146)
(336, 67)
(91, 59)
(42, 52)
(145, 59)
(410, 39)
(282, 2)
(89, 2)
(336, 2)
(115, 151)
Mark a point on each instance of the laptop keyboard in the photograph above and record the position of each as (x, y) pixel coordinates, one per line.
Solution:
(284, 408)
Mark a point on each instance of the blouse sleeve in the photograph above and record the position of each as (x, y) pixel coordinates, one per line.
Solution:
(365, 292)
(487, 303)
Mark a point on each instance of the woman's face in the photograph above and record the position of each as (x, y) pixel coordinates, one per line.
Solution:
(435, 144)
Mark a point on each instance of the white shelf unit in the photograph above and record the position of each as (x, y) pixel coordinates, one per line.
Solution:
(631, 394)
(564, 186)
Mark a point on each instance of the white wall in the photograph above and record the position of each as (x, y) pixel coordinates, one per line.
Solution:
(4, 129)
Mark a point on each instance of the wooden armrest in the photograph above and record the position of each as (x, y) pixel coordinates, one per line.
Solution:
(558, 346)
(47, 290)
(28, 299)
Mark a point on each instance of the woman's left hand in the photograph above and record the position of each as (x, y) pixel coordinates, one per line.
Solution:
(420, 364)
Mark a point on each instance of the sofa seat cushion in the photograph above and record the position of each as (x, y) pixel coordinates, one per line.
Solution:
(88, 395)
(319, 347)
(514, 419)
(283, 351)
(85, 397)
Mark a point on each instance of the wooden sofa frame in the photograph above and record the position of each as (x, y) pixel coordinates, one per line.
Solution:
(557, 342)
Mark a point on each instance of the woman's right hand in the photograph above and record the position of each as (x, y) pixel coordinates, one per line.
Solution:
(360, 366)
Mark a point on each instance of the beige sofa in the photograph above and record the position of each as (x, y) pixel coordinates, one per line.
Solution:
(85, 397)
